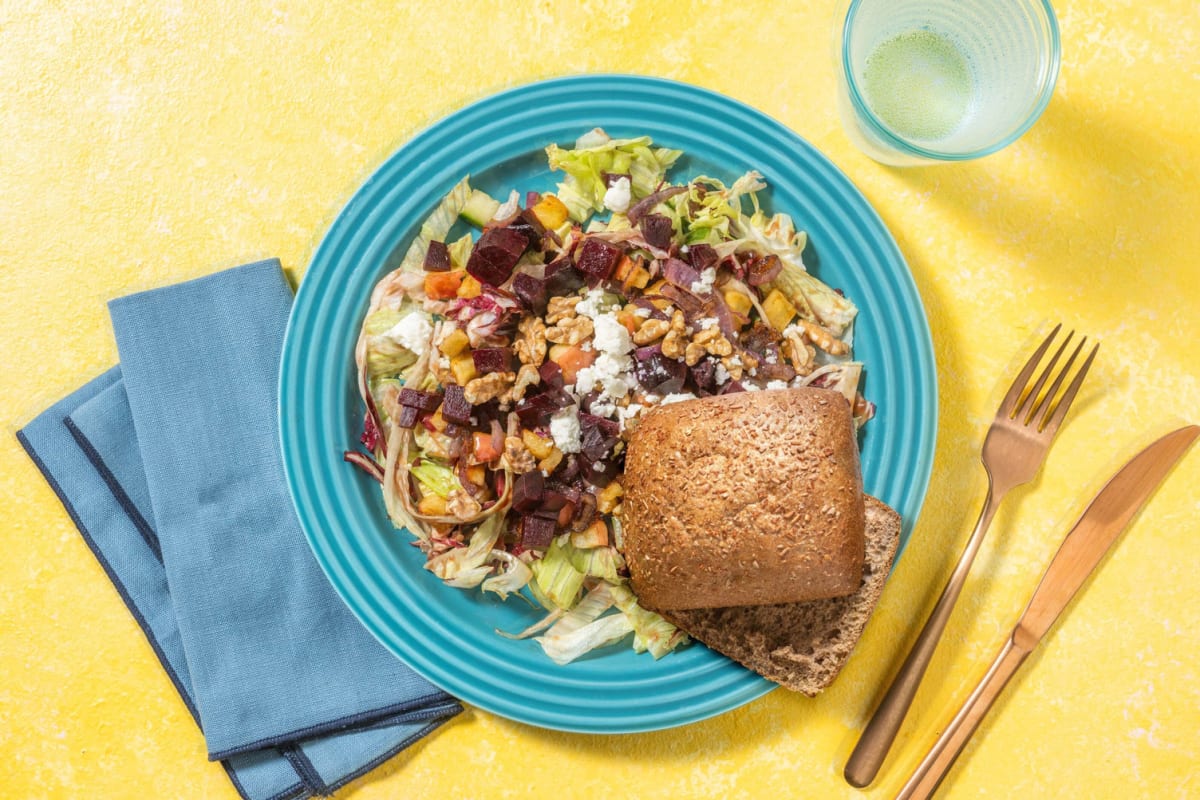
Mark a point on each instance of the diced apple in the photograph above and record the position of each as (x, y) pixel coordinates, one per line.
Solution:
(608, 497)
(625, 266)
(470, 287)
(438, 421)
(737, 301)
(538, 445)
(477, 474)
(779, 310)
(443, 285)
(463, 368)
(594, 535)
(551, 461)
(454, 343)
(550, 211)
(432, 505)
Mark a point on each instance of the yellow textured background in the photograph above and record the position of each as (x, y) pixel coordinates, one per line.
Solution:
(145, 143)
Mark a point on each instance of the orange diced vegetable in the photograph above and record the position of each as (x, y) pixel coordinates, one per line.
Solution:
(594, 535)
(454, 343)
(779, 310)
(637, 279)
(540, 446)
(443, 285)
(624, 267)
(432, 505)
(550, 211)
(551, 461)
(571, 359)
(483, 448)
(463, 367)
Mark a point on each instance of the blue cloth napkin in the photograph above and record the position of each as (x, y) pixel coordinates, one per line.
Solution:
(169, 465)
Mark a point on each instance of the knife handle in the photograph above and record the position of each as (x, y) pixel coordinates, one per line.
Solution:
(929, 773)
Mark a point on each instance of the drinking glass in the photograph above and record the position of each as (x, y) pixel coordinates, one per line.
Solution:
(929, 81)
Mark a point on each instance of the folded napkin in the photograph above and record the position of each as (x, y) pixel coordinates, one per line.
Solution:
(170, 467)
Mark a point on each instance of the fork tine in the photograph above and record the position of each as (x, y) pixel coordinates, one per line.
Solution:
(1060, 409)
(1030, 400)
(1048, 397)
(1009, 403)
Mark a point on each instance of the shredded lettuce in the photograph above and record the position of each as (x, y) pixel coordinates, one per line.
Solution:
(460, 250)
(437, 225)
(436, 477)
(555, 578)
(598, 562)
(466, 567)
(594, 155)
(650, 631)
(583, 629)
(515, 575)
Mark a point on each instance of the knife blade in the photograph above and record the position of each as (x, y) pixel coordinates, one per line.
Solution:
(1080, 553)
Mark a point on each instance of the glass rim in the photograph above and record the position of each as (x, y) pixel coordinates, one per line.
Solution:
(895, 141)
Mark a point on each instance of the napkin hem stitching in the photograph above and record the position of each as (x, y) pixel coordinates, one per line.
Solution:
(305, 769)
(403, 745)
(332, 726)
(118, 491)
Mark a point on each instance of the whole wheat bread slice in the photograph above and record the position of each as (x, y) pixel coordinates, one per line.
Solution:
(802, 646)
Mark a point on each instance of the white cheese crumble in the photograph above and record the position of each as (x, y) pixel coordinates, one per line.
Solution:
(594, 304)
(777, 384)
(705, 284)
(707, 322)
(611, 336)
(564, 429)
(643, 313)
(721, 375)
(412, 333)
(618, 196)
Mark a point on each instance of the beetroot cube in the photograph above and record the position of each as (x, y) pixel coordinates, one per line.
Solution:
(491, 359)
(528, 491)
(455, 407)
(408, 416)
(495, 254)
(424, 401)
(531, 292)
(658, 230)
(537, 532)
(437, 257)
(702, 256)
(597, 260)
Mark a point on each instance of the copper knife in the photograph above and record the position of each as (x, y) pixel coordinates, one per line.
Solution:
(1085, 545)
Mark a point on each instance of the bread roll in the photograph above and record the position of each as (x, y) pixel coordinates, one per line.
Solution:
(744, 499)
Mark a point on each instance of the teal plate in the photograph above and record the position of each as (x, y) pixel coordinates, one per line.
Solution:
(449, 635)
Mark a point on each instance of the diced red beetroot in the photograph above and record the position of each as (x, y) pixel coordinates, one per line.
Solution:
(554, 499)
(551, 374)
(659, 374)
(704, 374)
(408, 416)
(763, 270)
(528, 490)
(778, 371)
(536, 410)
(531, 292)
(491, 359)
(455, 407)
(600, 473)
(702, 256)
(532, 199)
(495, 254)
(424, 401)
(536, 532)
(658, 230)
(733, 387)
(647, 352)
(597, 260)
(679, 273)
(597, 437)
(437, 257)
(530, 227)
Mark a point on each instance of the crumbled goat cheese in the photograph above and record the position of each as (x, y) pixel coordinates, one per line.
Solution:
(564, 429)
(412, 333)
(618, 196)
(705, 284)
(677, 397)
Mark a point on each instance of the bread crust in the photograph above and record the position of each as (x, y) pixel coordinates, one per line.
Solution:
(751, 498)
(802, 646)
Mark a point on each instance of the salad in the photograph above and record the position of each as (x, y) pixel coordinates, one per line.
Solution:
(504, 369)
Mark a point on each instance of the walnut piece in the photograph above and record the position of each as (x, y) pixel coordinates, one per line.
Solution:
(527, 376)
(560, 308)
(570, 331)
(519, 459)
(651, 330)
(674, 344)
(692, 353)
(461, 505)
(531, 341)
(488, 387)
(823, 338)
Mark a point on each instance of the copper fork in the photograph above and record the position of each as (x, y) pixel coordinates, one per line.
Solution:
(1013, 452)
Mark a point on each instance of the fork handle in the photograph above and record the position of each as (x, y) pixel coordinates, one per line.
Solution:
(933, 768)
(876, 740)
